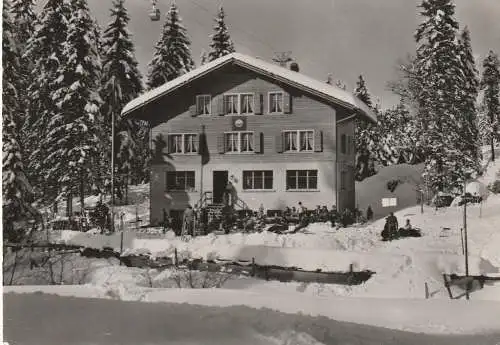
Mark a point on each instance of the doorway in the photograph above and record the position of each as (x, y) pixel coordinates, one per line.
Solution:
(220, 179)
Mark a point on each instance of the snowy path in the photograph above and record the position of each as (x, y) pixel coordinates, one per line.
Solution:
(95, 321)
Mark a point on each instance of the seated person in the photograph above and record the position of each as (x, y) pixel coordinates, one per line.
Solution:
(408, 225)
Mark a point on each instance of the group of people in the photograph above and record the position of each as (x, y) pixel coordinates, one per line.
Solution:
(195, 220)
(392, 230)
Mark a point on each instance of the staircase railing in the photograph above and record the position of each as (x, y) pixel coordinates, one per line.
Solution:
(205, 199)
(241, 204)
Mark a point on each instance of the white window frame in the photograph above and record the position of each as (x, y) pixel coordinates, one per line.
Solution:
(238, 145)
(238, 104)
(298, 131)
(185, 172)
(297, 189)
(183, 143)
(282, 102)
(204, 96)
(253, 173)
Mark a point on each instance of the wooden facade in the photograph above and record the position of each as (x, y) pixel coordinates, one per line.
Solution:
(323, 174)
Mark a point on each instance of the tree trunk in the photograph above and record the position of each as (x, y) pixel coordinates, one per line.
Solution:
(69, 205)
(82, 193)
(492, 142)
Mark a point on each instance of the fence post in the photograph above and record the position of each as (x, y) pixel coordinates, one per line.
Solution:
(176, 262)
(426, 291)
(253, 267)
(121, 246)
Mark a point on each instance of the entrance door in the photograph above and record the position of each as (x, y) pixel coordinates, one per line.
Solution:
(219, 186)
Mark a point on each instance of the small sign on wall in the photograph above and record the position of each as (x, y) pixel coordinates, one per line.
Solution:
(239, 123)
(389, 202)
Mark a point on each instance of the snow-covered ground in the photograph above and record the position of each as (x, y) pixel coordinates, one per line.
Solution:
(403, 269)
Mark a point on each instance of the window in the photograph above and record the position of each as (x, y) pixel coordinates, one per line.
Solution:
(231, 104)
(343, 143)
(343, 180)
(299, 141)
(276, 102)
(180, 181)
(239, 103)
(203, 104)
(246, 104)
(301, 179)
(183, 143)
(258, 179)
(239, 142)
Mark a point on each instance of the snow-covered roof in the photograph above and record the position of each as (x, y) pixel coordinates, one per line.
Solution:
(320, 88)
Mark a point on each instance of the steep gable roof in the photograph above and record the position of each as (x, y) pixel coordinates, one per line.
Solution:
(326, 91)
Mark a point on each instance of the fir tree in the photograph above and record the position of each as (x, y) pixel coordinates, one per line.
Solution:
(16, 190)
(396, 139)
(221, 41)
(74, 137)
(172, 57)
(203, 57)
(445, 135)
(469, 95)
(45, 49)
(121, 83)
(24, 19)
(364, 138)
(490, 84)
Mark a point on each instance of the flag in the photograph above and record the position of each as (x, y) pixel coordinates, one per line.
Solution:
(203, 147)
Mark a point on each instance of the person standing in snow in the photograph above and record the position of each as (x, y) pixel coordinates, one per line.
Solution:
(369, 213)
(188, 221)
(392, 224)
(302, 211)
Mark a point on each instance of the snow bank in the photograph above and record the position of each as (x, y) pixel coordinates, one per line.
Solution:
(426, 316)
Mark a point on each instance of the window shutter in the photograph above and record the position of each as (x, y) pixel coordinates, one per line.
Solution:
(221, 106)
(221, 147)
(287, 103)
(168, 146)
(259, 102)
(279, 143)
(197, 142)
(193, 109)
(318, 141)
(258, 142)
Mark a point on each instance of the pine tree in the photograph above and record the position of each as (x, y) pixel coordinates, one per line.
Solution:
(203, 57)
(121, 83)
(490, 84)
(469, 96)
(221, 41)
(445, 135)
(364, 138)
(16, 190)
(74, 137)
(45, 49)
(24, 19)
(396, 139)
(172, 57)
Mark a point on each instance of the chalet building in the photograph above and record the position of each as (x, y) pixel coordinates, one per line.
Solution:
(278, 136)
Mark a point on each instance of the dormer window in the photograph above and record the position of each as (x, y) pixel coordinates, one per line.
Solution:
(276, 102)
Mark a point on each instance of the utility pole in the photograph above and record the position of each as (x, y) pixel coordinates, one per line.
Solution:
(465, 244)
(282, 58)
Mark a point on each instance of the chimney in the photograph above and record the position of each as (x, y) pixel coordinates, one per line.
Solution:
(294, 66)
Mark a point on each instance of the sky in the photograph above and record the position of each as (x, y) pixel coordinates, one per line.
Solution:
(343, 37)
